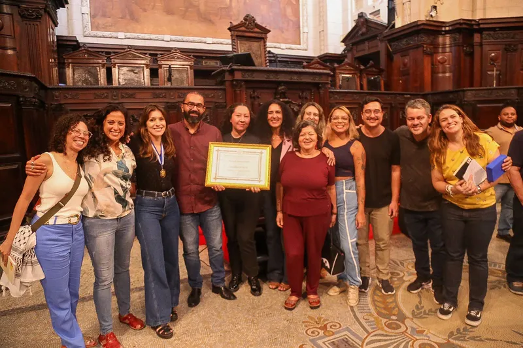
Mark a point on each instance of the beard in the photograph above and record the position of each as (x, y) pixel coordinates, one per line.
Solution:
(506, 124)
(193, 117)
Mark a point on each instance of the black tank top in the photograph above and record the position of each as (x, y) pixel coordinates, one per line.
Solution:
(344, 165)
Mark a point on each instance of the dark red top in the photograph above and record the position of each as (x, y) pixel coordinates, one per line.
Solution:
(305, 182)
(191, 163)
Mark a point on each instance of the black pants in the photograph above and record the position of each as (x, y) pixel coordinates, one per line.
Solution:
(514, 257)
(467, 230)
(276, 264)
(424, 226)
(240, 212)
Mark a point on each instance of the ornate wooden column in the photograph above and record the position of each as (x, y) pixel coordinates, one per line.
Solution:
(27, 37)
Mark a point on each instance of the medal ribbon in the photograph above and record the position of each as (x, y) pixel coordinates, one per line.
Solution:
(160, 155)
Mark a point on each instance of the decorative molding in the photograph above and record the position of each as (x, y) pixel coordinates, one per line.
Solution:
(127, 95)
(71, 95)
(101, 95)
(247, 74)
(468, 50)
(502, 35)
(7, 84)
(159, 95)
(114, 95)
(427, 50)
(31, 13)
(492, 93)
(29, 102)
(87, 32)
(511, 48)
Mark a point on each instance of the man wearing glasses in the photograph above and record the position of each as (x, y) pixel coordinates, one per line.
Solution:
(198, 204)
(382, 192)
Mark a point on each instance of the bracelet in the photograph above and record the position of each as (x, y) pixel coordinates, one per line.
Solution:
(448, 190)
(333, 213)
(479, 190)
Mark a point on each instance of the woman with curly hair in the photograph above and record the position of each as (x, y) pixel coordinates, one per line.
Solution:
(468, 210)
(157, 218)
(60, 242)
(109, 219)
(275, 127)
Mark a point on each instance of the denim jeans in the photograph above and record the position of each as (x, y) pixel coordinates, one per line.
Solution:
(60, 251)
(211, 223)
(276, 263)
(514, 256)
(467, 230)
(157, 222)
(347, 207)
(424, 226)
(109, 243)
(505, 194)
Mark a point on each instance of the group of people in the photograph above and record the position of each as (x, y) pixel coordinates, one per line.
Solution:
(326, 175)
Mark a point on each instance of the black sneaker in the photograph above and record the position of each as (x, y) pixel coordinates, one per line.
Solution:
(438, 294)
(474, 317)
(364, 287)
(418, 285)
(387, 288)
(515, 287)
(504, 237)
(446, 311)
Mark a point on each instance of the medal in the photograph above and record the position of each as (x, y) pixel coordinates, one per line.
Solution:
(160, 157)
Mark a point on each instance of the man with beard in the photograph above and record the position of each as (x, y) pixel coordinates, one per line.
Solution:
(198, 204)
(420, 200)
(382, 192)
(502, 133)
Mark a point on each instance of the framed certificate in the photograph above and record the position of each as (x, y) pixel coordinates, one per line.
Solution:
(238, 165)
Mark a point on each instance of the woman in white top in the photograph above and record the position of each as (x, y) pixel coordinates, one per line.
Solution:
(60, 242)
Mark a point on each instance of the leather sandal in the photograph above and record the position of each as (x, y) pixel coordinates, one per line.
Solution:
(89, 342)
(291, 303)
(314, 301)
(273, 285)
(163, 331)
(132, 321)
(284, 287)
(174, 315)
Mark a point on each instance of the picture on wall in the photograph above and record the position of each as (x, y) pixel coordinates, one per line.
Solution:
(196, 18)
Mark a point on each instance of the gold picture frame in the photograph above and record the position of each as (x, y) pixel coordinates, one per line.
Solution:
(239, 166)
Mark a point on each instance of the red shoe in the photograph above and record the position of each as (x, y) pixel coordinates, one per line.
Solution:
(109, 341)
(132, 321)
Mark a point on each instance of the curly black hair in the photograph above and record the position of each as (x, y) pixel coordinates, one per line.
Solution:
(65, 124)
(262, 126)
(99, 143)
(227, 127)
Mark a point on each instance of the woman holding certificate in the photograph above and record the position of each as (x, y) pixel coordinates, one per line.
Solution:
(157, 218)
(275, 126)
(468, 209)
(241, 208)
(306, 208)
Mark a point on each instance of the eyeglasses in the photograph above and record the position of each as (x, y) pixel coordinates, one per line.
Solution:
(375, 112)
(193, 105)
(79, 133)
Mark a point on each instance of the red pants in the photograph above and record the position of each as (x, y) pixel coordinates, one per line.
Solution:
(302, 232)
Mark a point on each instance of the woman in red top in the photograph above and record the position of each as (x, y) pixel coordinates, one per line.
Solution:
(306, 208)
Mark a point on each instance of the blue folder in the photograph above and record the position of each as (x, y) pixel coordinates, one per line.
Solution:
(494, 169)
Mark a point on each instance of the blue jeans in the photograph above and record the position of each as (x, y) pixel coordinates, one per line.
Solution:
(211, 223)
(157, 222)
(505, 194)
(347, 207)
(423, 226)
(109, 243)
(276, 263)
(60, 251)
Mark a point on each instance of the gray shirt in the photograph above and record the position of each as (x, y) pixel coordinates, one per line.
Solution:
(417, 192)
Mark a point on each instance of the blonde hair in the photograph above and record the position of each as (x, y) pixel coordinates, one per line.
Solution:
(438, 140)
(321, 119)
(352, 131)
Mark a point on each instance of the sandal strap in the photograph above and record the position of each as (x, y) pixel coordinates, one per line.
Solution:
(163, 329)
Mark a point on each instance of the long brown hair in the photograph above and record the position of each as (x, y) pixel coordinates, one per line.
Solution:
(146, 151)
(352, 131)
(321, 117)
(438, 141)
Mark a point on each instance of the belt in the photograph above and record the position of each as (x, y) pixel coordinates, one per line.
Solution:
(67, 220)
(156, 194)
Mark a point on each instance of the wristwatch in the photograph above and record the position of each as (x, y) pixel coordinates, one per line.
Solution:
(479, 190)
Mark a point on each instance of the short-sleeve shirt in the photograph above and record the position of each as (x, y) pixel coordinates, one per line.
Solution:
(109, 196)
(454, 159)
(382, 152)
(191, 164)
(515, 150)
(417, 192)
(503, 138)
(305, 182)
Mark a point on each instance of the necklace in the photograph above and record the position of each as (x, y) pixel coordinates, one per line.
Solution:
(160, 157)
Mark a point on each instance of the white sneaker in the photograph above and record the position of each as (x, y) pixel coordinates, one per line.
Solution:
(338, 289)
(352, 295)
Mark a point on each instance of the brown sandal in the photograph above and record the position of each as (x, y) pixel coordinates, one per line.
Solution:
(284, 287)
(291, 303)
(273, 285)
(314, 301)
